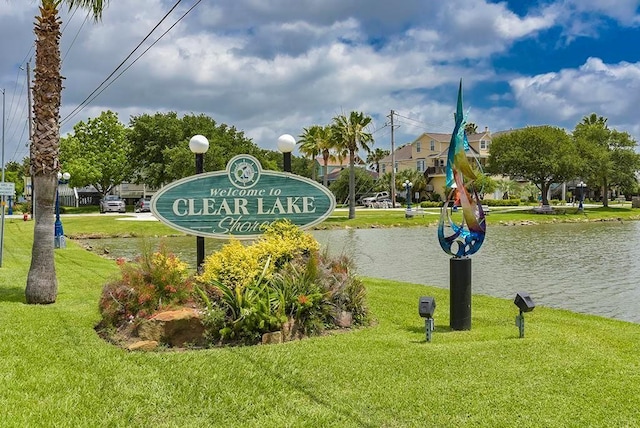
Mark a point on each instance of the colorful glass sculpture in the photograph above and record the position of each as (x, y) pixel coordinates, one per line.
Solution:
(465, 237)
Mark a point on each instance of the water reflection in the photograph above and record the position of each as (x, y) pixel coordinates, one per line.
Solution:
(586, 267)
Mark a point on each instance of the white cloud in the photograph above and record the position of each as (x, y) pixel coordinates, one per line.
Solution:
(275, 66)
(610, 90)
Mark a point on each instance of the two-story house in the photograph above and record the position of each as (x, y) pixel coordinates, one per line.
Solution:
(428, 154)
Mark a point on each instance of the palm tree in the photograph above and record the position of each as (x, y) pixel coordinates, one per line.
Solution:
(42, 284)
(317, 140)
(471, 128)
(350, 134)
(374, 158)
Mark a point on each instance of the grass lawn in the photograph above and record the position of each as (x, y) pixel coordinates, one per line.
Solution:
(570, 370)
(497, 216)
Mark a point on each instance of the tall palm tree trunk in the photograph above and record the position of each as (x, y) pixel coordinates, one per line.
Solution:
(42, 284)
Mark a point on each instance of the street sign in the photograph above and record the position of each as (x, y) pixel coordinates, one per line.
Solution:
(241, 201)
(7, 189)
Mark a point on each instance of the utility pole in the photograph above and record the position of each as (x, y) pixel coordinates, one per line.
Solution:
(29, 112)
(393, 163)
(3, 197)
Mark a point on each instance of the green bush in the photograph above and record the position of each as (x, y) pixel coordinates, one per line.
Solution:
(154, 281)
(431, 204)
(501, 202)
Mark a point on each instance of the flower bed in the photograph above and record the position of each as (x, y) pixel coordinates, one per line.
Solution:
(282, 284)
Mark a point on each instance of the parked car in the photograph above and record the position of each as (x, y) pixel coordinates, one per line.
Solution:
(112, 204)
(143, 205)
(378, 197)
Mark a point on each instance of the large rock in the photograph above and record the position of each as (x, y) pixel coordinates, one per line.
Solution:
(143, 345)
(174, 328)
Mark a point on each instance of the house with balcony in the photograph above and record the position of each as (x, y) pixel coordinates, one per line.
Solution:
(428, 154)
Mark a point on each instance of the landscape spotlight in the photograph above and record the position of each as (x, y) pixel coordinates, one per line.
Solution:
(426, 307)
(524, 302)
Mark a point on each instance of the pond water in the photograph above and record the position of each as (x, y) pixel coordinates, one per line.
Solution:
(584, 267)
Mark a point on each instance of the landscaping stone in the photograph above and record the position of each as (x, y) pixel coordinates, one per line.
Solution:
(272, 338)
(291, 330)
(175, 328)
(344, 319)
(143, 345)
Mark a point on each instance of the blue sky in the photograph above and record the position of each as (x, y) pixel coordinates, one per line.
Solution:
(270, 67)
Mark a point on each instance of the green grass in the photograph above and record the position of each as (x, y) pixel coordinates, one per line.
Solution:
(497, 216)
(570, 370)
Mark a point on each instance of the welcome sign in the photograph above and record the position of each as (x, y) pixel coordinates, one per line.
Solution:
(241, 201)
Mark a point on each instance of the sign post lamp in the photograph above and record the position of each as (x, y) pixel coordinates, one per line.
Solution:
(581, 186)
(199, 145)
(407, 185)
(59, 241)
(286, 144)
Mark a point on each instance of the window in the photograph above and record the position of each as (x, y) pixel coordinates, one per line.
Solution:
(420, 165)
(484, 145)
(395, 167)
(383, 167)
(432, 146)
(418, 146)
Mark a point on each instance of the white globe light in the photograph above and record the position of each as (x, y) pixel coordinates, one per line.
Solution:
(286, 143)
(59, 175)
(199, 144)
(66, 176)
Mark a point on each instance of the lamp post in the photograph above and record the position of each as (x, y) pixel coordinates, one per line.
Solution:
(58, 233)
(199, 145)
(286, 144)
(407, 185)
(581, 186)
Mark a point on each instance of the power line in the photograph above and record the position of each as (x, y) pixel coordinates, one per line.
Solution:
(69, 116)
(98, 90)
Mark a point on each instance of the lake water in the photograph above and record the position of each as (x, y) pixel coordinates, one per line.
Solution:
(584, 267)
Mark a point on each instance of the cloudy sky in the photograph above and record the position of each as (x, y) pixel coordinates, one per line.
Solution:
(270, 67)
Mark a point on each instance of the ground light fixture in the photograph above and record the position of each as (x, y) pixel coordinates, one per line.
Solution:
(286, 144)
(198, 144)
(524, 302)
(426, 307)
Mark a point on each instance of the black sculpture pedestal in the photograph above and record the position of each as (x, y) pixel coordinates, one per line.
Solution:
(460, 293)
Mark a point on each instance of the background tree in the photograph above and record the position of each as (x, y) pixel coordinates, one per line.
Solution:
(509, 188)
(317, 140)
(97, 153)
(160, 146)
(350, 134)
(471, 128)
(416, 178)
(375, 156)
(42, 283)
(541, 154)
(484, 183)
(14, 173)
(611, 159)
(364, 183)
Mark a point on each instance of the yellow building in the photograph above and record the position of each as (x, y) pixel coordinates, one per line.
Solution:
(428, 155)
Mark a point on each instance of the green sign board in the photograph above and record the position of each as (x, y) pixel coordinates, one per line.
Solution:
(240, 201)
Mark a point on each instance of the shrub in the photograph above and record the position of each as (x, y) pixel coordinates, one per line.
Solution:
(237, 265)
(501, 202)
(153, 281)
(431, 204)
